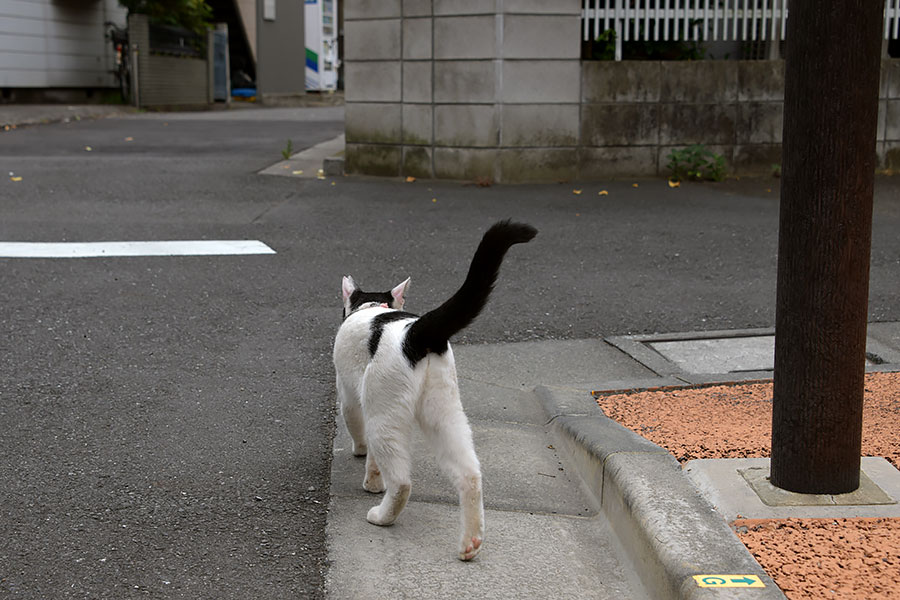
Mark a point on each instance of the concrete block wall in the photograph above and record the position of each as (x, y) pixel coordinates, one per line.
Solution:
(634, 113)
(462, 89)
(495, 89)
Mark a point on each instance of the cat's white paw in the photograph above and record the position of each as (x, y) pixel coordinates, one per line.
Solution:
(360, 450)
(373, 482)
(375, 517)
(469, 548)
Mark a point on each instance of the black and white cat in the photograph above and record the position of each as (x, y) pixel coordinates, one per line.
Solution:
(395, 369)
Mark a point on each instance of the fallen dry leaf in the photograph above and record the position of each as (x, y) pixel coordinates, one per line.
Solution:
(129, 139)
(576, 192)
(674, 183)
(88, 148)
(16, 178)
(410, 179)
(297, 172)
(634, 185)
(603, 193)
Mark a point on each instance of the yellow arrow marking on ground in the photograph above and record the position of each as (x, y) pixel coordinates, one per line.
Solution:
(728, 581)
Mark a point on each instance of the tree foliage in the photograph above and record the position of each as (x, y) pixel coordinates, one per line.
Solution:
(195, 15)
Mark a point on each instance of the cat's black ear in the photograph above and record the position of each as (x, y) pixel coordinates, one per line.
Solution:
(399, 295)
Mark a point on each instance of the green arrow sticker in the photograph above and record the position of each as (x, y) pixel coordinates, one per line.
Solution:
(728, 581)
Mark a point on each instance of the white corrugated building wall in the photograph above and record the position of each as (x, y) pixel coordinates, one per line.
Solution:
(57, 43)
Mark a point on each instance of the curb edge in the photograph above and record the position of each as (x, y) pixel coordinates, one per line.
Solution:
(669, 536)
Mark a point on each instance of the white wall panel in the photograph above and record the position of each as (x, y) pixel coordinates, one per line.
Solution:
(57, 44)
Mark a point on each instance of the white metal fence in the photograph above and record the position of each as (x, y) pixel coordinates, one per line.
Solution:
(699, 20)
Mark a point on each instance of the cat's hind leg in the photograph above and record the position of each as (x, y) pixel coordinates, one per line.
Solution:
(373, 481)
(351, 410)
(447, 428)
(389, 422)
(389, 445)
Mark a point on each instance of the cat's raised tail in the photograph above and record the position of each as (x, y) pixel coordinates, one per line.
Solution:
(433, 329)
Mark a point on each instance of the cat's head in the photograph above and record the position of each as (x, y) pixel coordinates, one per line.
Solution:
(356, 299)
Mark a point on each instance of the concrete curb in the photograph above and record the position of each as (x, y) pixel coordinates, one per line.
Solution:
(314, 162)
(669, 531)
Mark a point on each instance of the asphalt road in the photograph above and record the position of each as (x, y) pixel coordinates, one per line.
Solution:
(166, 423)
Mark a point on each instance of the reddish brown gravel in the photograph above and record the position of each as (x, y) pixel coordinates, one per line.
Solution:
(827, 558)
(853, 559)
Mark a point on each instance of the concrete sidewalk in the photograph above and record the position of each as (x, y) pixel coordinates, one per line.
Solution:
(544, 535)
(16, 115)
(36, 114)
(576, 505)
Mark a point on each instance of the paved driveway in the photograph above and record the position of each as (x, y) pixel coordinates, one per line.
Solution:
(166, 421)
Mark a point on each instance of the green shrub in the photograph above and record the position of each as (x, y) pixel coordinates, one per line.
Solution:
(195, 15)
(697, 163)
(605, 46)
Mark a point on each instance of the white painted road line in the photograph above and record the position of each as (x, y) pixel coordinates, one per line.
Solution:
(115, 249)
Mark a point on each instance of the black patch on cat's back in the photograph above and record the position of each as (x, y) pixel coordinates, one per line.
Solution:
(378, 324)
(414, 352)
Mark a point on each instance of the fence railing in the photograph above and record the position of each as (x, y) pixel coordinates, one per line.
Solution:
(699, 20)
(176, 41)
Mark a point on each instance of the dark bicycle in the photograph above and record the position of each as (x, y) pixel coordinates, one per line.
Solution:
(119, 38)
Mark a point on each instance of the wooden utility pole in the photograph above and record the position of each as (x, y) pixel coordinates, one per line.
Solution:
(832, 68)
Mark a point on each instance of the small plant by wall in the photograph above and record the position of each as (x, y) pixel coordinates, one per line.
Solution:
(603, 47)
(697, 163)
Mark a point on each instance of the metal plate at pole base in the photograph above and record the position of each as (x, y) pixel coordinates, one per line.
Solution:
(867, 493)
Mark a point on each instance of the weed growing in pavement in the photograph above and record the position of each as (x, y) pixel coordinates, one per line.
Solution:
(697, 163)
(288, 151)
